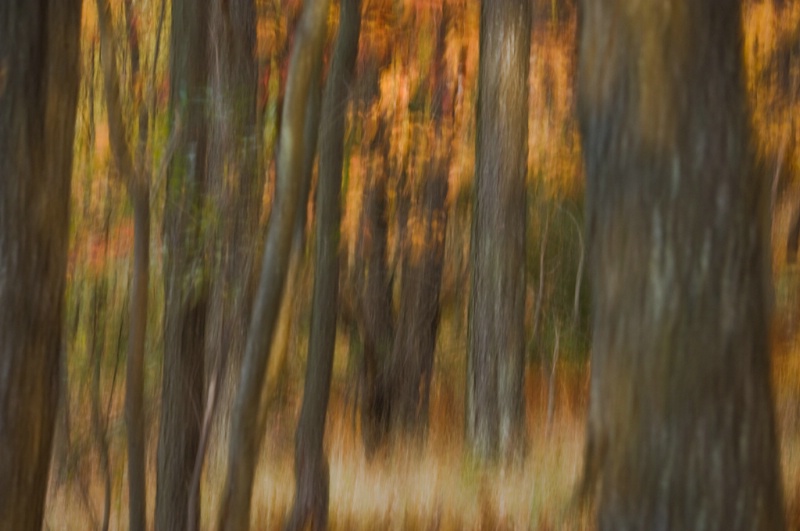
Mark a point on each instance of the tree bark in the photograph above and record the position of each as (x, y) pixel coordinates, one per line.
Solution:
(681, 431)
(236, 183)
(311, 464)
(496, 362)
(185, 271)
(39, 80)
(234, 513)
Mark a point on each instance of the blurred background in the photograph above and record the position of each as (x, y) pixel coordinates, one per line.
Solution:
(410, 122)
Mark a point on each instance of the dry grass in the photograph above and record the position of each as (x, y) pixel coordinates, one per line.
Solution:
(412, 487)
(433, 486)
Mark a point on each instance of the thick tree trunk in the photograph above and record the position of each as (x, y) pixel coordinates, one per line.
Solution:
(372, 285)
(411, 363)
(311, 465)
(495, 373)
(377, 321)
(185, 271)
(234, 514)
(39, 78)
(681, 423)
(237, 186)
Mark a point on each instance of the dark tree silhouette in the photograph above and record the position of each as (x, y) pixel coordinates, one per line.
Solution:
(39, 79)
(410, 365)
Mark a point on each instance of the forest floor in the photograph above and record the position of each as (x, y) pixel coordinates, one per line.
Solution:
(434, 486)
(437, 486)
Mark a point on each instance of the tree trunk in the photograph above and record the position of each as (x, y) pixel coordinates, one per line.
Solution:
(237, 186)
(137, 183)
(411, 363)
(377, 322)
(495, 372)
(39, 79)
(134, 381)
(412, 357)
(234, 514)
(681, 431)
(311, 465)
(289, 301)
(185, 272)
(372, 289)
(99, 421)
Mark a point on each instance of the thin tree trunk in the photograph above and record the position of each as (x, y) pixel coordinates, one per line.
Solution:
(311, 465)
(98, 420)
(579, 274)
(134, 382)
(39, 54)
(137, 183)
(681, 431)
(286, 316)
(234, 514)
(193, 504)
(537, 311)
(793, 239)
(495, 373)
